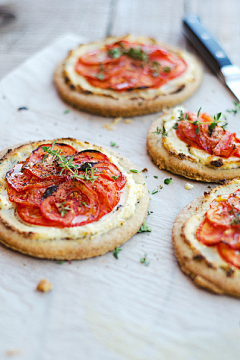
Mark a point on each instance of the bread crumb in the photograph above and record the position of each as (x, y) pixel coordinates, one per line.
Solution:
(13, 352)
(188, 186)
(44, 285)
(115, 122)
(128, 121)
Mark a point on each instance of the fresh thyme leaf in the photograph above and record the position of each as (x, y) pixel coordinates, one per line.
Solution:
(144, 228)
(115, 177)
(144, 260)
(113, 143)
(100, 76)
(235, 110)
(155, 67)
(84, 204)
(175, 127)
(63, 209)
(156, 177)
(116, 251)
(114, 53)
(154, 191)
(197, 130)
(236, 219)
(166, 69)
(60, 262)
(134, 170)
(161, 131)
(199, 112)
(66, 111)
(137, 54)
(167, 181)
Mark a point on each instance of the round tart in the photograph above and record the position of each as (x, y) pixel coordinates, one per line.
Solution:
(127, 76)
(194, 145)
(67, 199)
(206, 239)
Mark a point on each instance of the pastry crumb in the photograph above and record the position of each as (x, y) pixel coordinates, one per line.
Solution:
(128, 121)
(13, 352)
(188, 186)
(44, 285)
(115, 122)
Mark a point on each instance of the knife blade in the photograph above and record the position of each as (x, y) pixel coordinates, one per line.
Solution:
(212, 53)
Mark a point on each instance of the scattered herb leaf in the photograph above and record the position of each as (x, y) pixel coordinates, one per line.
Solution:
(167, 181)
(156, 177)
(160, 131)
(116, 251)
(113, 143)
(144, 228)
(66, 111)
(144, 260)
(154, 191)
(134, 171)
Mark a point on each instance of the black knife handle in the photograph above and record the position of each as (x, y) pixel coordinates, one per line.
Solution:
(204, 43)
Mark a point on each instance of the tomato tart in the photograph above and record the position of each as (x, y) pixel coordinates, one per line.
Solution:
(67, 199)
(127, 76)
(195, 145)
(206, 239)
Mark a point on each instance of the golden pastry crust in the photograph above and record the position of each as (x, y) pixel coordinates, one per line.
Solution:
(136, 102)
(64, 244)
(180, 163)
(216, 276)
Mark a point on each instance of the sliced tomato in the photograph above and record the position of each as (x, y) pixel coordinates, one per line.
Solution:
(71, 204)
(231, 237)
(107, 192)
(111, 172)
(187, 133)
(32, 215)
(47, 169)
(21, 181)
(126, 73)
(89, 155)
(220, 214)
(229, 255)
(30, 197)
(208, 234)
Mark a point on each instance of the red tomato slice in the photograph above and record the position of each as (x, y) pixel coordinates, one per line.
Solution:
(107, 192)
(21, 181)
(32, 215)
(89, 155)
(98, 56)
(111, 172)
(94, 71)
(208, 234)
(31, 197)
(232, 237)
(47, 169)
(71, 204)
(229, 255)
(219, 214)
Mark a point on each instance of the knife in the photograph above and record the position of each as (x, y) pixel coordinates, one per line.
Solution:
(212, 53)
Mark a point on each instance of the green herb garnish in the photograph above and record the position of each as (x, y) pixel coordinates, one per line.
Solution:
(134, 171)
(156, 177)
(159, 131)
(166, 69)
(154, 191)
(63, 209)
(144, 260)
(66, 111)
(114, 53)
(167, 181)
(115, 177)
(144, 228)
(116, 251)
(235, 110)
(65, 164)
(84, 204)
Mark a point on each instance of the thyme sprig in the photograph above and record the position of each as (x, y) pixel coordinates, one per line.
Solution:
(65, 164)
(160, 131)
(63, 209)
(235, 110)
(211, 125)
(135, 53)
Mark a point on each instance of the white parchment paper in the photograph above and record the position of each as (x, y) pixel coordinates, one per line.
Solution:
(104, 308)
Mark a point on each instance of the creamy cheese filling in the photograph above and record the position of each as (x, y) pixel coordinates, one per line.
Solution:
(130, 194)
(172, 85)
(173, 144)
(190, 227)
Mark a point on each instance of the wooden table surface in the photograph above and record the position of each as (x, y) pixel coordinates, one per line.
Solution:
(38, 23)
